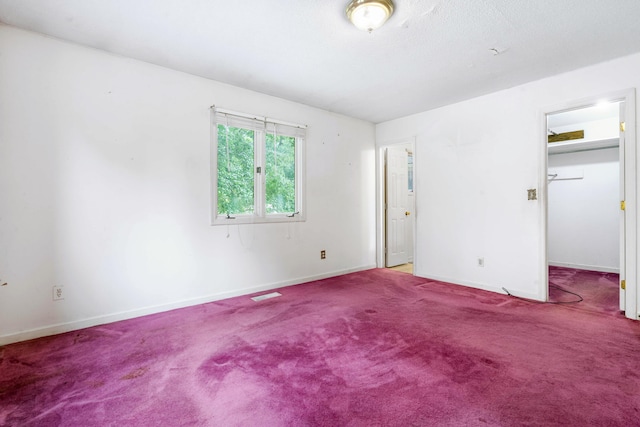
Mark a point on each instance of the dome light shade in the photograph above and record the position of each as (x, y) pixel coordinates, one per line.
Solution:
(369, 15)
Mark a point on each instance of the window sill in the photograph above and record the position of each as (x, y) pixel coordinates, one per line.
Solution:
(246, 219)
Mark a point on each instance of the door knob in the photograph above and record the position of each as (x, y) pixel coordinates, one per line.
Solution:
(407, 213)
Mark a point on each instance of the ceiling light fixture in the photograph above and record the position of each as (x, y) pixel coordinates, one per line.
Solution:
(369, 15)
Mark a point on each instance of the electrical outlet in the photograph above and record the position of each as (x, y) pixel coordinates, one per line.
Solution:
(480, 262)
(58, 294)
(323, 254)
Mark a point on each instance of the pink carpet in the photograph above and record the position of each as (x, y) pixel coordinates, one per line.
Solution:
(375, 348)
(599, 290)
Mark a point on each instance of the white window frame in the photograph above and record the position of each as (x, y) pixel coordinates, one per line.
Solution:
(261, 126)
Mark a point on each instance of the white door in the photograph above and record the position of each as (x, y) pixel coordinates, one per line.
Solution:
(623, 260)
(396, 183)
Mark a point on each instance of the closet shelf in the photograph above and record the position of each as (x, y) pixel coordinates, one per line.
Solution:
(573, 146)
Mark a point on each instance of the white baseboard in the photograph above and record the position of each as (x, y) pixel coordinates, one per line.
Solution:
(585, 267)
(485, 287)
(60, 328)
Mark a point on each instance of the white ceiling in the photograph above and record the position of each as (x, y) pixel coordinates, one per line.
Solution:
(430, 53)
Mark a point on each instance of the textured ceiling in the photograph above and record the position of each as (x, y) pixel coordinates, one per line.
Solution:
(430, 53)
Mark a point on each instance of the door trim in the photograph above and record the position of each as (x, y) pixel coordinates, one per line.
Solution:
(630, 189)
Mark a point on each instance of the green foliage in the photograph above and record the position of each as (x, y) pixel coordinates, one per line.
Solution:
(280, 174)
(235, 170)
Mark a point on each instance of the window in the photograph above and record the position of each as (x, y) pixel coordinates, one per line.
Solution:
(410, 170)
(257, 169)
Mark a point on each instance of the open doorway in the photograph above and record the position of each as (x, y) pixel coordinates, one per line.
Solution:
(399, 206)
(585, 184)
(575, 170)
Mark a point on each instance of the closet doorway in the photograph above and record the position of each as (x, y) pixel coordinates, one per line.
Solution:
(585, 222)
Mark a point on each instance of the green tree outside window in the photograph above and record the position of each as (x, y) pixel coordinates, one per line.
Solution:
(235, 170)
(280, 156)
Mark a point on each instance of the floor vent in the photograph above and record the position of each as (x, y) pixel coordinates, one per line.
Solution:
(267, 296)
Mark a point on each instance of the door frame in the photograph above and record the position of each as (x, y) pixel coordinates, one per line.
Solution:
(630, 190)
(381, 231)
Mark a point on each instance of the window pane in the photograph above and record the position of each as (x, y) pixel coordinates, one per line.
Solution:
(410, 170)
(280, 174)
(235, 170)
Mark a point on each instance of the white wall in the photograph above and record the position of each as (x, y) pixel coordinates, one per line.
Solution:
(584, 214)
(475, 161)
(104, 184)
(593, 131)
(411, 204)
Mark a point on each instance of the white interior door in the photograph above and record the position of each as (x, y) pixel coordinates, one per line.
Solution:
(397, 212)
(623, 242)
